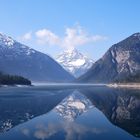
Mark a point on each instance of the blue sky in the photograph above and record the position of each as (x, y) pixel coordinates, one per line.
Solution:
(94, 25)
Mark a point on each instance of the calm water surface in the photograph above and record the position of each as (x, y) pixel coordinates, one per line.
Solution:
(63, 113)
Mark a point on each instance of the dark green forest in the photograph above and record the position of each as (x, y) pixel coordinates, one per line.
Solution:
(6, 79)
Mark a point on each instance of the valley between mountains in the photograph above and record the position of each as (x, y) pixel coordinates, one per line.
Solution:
(120, 64)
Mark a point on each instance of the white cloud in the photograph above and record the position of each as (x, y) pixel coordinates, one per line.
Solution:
(45, 36)
(75, 36)
(26, 37)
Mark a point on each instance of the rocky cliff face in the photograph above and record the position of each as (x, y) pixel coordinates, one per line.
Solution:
(119, 62)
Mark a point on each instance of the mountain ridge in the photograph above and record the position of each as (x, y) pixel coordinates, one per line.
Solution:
(19, 59)
(119, 62)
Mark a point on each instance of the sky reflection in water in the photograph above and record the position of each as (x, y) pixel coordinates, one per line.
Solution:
(93, 113)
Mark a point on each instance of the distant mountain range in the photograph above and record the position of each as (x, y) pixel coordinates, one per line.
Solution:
(74, 62)
(120, 63)
(18, 59)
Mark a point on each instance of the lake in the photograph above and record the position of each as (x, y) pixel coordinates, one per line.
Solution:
(69, 113)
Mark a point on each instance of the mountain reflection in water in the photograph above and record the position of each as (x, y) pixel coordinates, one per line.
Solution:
(120, 106)
(89, 113)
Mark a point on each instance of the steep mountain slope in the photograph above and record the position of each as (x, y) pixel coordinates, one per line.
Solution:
(74, 62)
(121, 61)
(18, 59)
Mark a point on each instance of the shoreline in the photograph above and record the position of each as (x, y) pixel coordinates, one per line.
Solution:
(14, 85)
(58, 85)
(125, 85)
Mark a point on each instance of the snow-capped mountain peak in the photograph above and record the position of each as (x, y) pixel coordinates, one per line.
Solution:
(6, 40)
(74, 62)
(19, 59)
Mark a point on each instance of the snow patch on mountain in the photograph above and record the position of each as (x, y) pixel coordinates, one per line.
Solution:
(6, 40)
(137, 35)
(74, 62)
